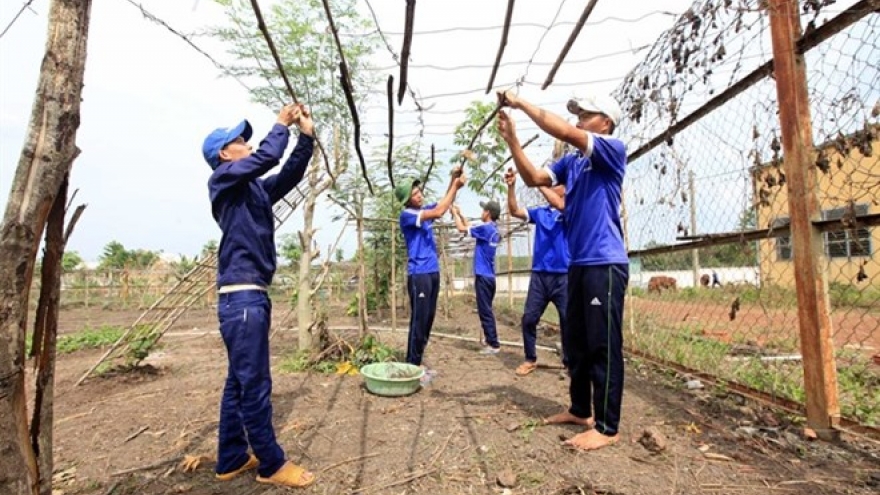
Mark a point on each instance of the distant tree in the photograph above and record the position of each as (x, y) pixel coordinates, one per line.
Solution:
(184, 266)
(70, 261)
(680, 260)
(209, 247)
(116, 257)
(290, 249)
(724, 255)
(340, 255)
(736, 253)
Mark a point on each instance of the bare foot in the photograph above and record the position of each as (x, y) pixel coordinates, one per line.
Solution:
(568, 418)
(591, 440)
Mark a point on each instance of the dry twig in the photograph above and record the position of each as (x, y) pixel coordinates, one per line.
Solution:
(136, 434)
(407, 479)
(155, 465)
(350, 460)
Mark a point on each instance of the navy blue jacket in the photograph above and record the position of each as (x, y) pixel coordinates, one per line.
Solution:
(241, 203)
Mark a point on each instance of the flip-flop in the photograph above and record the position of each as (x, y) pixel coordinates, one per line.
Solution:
(526, 368)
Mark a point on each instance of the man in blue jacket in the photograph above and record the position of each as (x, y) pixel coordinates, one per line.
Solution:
(487, 238)
(241, 203)
(599, 269)
(549, 278)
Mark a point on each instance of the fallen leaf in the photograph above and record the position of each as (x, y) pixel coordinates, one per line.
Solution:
(692, 428)
(345, 368)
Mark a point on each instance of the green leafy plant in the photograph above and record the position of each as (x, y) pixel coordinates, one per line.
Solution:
(88, 338)
(369, 350)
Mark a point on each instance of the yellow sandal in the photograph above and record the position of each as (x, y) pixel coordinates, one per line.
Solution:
(526, 368)
(290, 475)
(251, 463)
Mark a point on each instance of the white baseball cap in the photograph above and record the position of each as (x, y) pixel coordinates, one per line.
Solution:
(597, 104)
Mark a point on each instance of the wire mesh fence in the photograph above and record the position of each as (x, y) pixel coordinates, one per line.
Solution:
(714, 287)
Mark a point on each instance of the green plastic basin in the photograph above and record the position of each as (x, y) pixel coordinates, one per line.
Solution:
(392, 379)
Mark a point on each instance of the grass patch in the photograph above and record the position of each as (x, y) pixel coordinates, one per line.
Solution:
(857, 380)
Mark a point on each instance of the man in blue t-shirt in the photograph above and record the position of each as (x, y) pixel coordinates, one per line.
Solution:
(241, 203)
(423, 280)
(549, 278)
(599, 269)
(487, 238)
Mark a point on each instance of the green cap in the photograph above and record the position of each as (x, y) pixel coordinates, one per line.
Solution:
(403, 191)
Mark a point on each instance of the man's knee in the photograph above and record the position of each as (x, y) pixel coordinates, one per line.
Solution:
(530, 319)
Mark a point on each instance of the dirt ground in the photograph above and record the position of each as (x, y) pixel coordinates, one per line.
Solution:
(125, 433)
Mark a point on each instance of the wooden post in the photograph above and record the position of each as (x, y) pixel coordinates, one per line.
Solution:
(820, 375)
(695, 253)
(393, 276)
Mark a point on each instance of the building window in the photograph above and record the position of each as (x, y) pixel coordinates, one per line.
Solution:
(783, 244)
(843, 244)
(847, 243)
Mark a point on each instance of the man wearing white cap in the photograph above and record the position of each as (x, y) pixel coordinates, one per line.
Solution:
(599, 267)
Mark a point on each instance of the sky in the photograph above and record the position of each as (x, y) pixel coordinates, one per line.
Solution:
(149, 99)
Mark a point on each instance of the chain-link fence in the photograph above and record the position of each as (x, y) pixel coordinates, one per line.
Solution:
(707, 210)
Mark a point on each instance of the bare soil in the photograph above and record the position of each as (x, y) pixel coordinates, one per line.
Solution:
(851, 327)
(125, 433)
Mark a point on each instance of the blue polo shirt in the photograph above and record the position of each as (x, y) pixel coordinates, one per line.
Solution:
(550, 254)
(419, 237)
(241, 203)
(487, 243)
(593, 181)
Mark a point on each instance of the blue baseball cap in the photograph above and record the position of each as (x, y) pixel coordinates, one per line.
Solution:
(220, 138)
